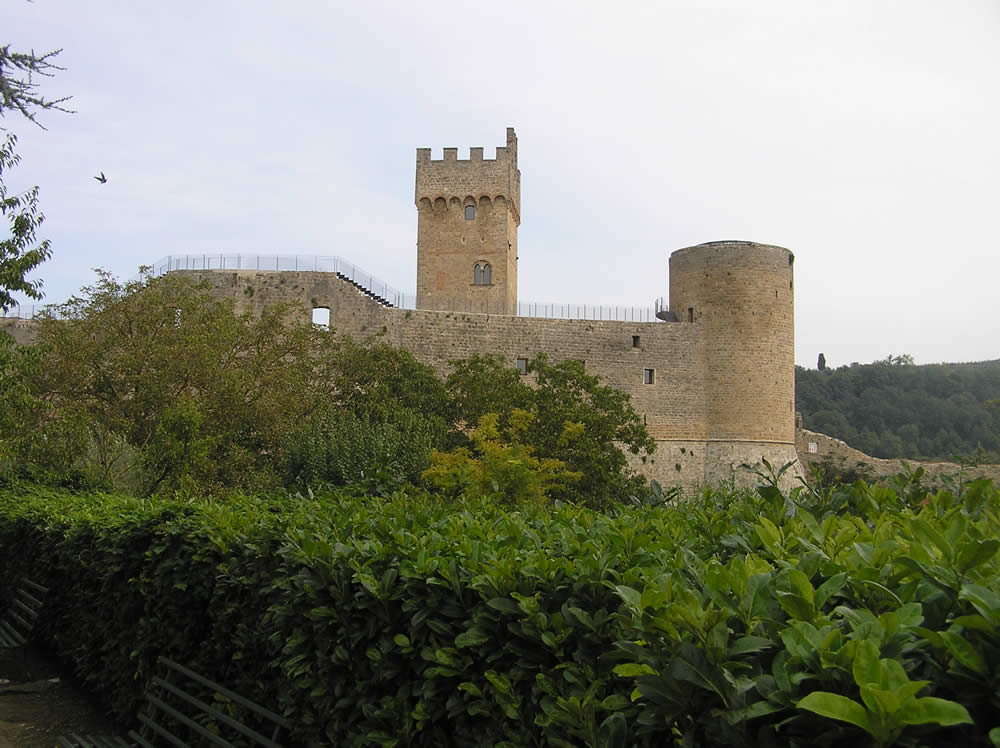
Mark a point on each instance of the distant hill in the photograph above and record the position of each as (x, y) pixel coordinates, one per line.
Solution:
(893, 408)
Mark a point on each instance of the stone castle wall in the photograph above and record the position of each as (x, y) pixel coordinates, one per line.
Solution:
(663, 366)
(22, 330)
(826, 452)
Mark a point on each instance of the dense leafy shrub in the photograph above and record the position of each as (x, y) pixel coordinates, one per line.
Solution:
(859, 613)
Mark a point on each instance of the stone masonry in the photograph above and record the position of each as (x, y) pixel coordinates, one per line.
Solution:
(714, 381)
(716, 388)
(468, 212)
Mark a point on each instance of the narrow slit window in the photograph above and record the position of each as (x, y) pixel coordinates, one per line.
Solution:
(522, 365)
(470, 212)
(649, 376)
(690, 314)
(635, 341)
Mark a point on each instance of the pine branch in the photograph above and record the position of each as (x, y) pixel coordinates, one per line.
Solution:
(19, 87)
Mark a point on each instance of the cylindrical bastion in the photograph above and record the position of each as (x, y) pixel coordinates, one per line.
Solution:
(741, 296)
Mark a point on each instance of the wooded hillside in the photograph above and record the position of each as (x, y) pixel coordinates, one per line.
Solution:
(893, 408)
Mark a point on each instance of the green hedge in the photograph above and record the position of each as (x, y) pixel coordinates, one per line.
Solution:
(729, 619)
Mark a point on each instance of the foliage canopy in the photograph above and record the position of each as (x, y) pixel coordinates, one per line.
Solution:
(892, 408)
(856, 615)
(153, 386)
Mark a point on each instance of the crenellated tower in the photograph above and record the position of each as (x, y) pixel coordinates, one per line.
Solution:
(468, 212)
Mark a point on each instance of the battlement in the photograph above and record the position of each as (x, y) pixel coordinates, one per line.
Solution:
(507, 153)
(451, 155)
(474, 177)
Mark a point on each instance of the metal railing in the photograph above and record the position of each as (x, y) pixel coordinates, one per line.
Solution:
(377, 287)
(331, 264)
(598, 312)
(543, 310)
(30, 311)
(283, 263)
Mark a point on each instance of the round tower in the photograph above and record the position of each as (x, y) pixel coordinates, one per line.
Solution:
(740, 295)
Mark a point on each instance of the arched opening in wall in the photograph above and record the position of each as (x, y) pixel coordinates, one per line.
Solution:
(470, 212)
(321, 317)
(482, 274)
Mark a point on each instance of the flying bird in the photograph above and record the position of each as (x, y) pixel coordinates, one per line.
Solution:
(102, 179)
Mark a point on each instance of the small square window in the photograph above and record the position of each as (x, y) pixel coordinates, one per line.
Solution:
(649, 376)
(522, 365)
(635, 341)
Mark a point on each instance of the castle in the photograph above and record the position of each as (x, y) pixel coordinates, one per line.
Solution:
(713, 378)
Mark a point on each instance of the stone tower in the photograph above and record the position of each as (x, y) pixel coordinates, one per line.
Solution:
(467, 218)
(741, 297)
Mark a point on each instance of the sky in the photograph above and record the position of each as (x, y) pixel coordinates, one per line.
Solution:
(861, 134)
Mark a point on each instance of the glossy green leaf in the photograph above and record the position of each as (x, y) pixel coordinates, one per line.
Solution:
(931, 709)
(829, 588)
(613, 732)
(835, 706)
(633, 670)
(471, 638)
(972, 555)
(985, 600)
(964, 652)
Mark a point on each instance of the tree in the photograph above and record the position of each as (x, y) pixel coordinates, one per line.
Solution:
(576, 419)
(498, 466)
(385, 412)
(19, 253)
(19, 72)
(904, 359)
(162, 387)
(19, 408)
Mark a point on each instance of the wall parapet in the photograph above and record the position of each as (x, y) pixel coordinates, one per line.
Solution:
(396, 298)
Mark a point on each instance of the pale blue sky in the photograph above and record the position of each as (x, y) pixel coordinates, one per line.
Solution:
(861, 135)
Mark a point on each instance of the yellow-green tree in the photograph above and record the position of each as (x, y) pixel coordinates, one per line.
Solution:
(499, 466)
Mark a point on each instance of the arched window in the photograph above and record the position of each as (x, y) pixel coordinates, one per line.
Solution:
(481, 274)
(470, 212)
